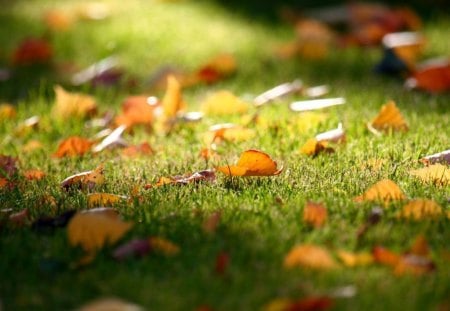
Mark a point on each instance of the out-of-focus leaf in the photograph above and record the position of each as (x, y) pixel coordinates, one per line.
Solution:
(432, 76)
(205, 175)
(92, 229)
(211, 222)
(20, 219)
(320, 303)
(217, 68)
(137, 110)
(34, 174)
(355, 259)
(389, 118)
(88, 179)
(59, 221)
(384, 191)
(223, 103)
(103, 199)
(110, 304)
(336, 135)
(137, 150)
(32, 146)
(32, 51)
(68, 105)
(27, 126)
(172, 102)
(441, 157)
(164, 246)
(278, 91)
(421, 209)
(8, 166)
(73, 146)
(222, 263)
(252, 163)
(384, 256)
(228, 132)
(93, 11)
(314, 39)
(133, 248)
(58, 20)
(436, 174)
(313, 147)
(104, 72)
(309, 256)
(7, 111)
(316, 104)
(374, 165)
(315, 214)
(112, 140)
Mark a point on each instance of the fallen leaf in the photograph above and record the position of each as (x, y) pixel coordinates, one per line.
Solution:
(222, 263)
(315, 214)
(415, 265)
(68, 105)
(309, 256)
(103, 199)
(4, 183)
(432, 76)
(92, 229)
(219, 67)
(110, 304)
(312, 147)
(374, 165)
(252, 163)
(223, 103)
(314, 39)
(420, 246)
(32, 146)
(311, 304)
(384, 256)
(164, 246)
(436, 174)
(316, 104)
(420, 209)
(228, 132)
(355, 259)
(87, 179)
(133, 248)
(205, 175)
(137, 150)
(441, 157)
(172, 102)
(7, 111)
(137, 110)
(93, 11)
(73, 146)
(336, 135)
(278, 92)
(32, 51)
(27, 126)
(211, 222)
(34, 174)
(58, 20)
(389, 118)
(112, 140)
(8, 166)
(20, 219)
(105, 72)
(383, 191)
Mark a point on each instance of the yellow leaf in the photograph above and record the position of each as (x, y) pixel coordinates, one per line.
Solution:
(389, 118)
(69, 105)
(315, 214)
(308, 120)
(383, 191)
(103, 199)
(164, 246)
(92, 229)
(228, 132)
(7, 111)
(436, 174)
(355, 259)
(420, 209)
(312, 147)
(224, 103)
(309, 256)
(172, 102)
(252, 163)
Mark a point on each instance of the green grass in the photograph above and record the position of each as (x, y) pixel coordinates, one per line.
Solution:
(256, 229)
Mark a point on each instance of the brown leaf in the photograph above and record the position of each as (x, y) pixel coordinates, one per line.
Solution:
(309, 256)
(315, 214)
(112, 140)
(19, 219)
(314, 39)
(34, 174)
(206, 175)
(384, 256)
(210, 224)
(389, 118)
(420, 209)
(69, 104)
(73, 146)
(172, 102)
(164, 246)
(436, 174)
(252, 163)
(32, 51)
(311, 304)
(219, 67)
(8, 166)
(383, 191)
(441, 157)
(222, 263)
(87, 179)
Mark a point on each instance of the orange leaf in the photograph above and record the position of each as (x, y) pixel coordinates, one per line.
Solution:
(436, 174)
(314, 39)
(309, 256)
(384, 191)
(136, 150)
(32, 51)
(69, 104)
(228, 132)
(432, 76)
(73, 146)
(87, 179)
(315, 214)
(34, 174)
(32, 145)
(223, 103)
(389, 118)
(217, 68)
(57, 20)
(252, 163)
(420, 246)
(7, 111)
(92, 229)
(172, 102)
(137, 110)
(421, 208)
(385, 256)
(355, 259)
(312, 147)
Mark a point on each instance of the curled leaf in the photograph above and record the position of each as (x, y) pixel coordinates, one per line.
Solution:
(205, 175)
(313, 147)
(441, 157)
(133, 248)
(389, 118)
(172, 102)
(315, 104)
(87, 179)
(252, 163)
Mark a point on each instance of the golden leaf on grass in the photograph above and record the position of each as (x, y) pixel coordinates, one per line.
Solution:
(205, 175)
(313, 147)
(164, 246)
(355, 259)
(309, 256)
(436, 174)
(315, 214)
(252, 163)
(389, 118)
(34, 174)
(228, 132)
(383, 191)
(87, 179)
(73, 146)
(173, 102)
(420, 209)
(103, 199)
(137, 110)
(223, 103)
(7, 111)
(92, 229)
(69, 104)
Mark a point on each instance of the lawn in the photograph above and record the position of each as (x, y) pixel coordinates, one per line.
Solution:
(239, 265)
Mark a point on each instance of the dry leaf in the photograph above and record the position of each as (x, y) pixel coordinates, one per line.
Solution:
(93, 11)
(315, 104)
(19, 219)
(315, 214)
(27, 126)
(210, 224)
(137, 110)
(314, 39)
(32, 51)
(87, 179)
(223, 103)
(309, 256)
(219, 67)
(383, 191)
(138, 150)
(133, 248)
(73, 146)
(389, 118)
(92, 229)
(432, 76)
(336, 135)
(32, 145)
(436, 174)
(205, 175)
(421, 208)
(68, 105)
(441, 157)
(110, 304)
(385, 257)
(8, 166)
(278, 92)
(7, 111)
(252, 163)
(172, 102)
(103, 199)
(164, 246)
(34, 174)
(228, 132)
(57, 20)
(355, 259)
(312, 147)
(112, 140)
